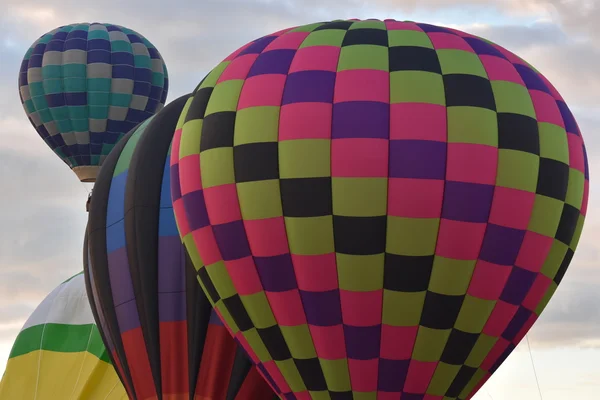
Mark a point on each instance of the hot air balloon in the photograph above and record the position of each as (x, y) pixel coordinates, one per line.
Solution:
(166, 340)
(59, 353)
(378, 209)
(83, 86)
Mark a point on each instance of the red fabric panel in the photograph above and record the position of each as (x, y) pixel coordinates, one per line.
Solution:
(173, 358)
(216, 364)
(119, 367)
(255, 387)
(139, 365)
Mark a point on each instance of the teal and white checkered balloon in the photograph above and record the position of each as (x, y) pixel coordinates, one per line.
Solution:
(83, 86)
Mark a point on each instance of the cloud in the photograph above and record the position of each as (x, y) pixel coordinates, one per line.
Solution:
(14, 314)
(519, 37)
(8, 333)
(572, 317)
(194, 36)
(42, 220)
(580, 16)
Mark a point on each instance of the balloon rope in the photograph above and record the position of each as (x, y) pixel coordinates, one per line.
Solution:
(89, 193)
(534, 371)
(488, 393)
(85, 187)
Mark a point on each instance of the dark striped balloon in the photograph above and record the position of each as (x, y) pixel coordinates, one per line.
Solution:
(164, 337)
(83, 86)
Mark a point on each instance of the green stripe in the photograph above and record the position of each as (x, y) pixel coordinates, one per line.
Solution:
(74, 276)
(127, 153)
(61, 338)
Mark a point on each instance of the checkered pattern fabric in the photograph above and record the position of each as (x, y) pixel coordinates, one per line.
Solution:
(84, 86)
(378, 209)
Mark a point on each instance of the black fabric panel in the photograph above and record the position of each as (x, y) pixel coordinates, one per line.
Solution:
(311, 373)
(199, 103)
(342, 25)
(407, 273)
(252, 161)
(223, 121)
(98, 256)
(239, 371)
(306, 197)
(198, 316)
(89, 291)
(553, 179)
(360, 235)
(368, 36)
(461, 380)
(142, 206)
(413, 58)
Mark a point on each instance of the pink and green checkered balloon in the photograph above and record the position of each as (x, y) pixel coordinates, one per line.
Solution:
(378, 209)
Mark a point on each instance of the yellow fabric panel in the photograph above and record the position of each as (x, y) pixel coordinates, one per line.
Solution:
(68, 376)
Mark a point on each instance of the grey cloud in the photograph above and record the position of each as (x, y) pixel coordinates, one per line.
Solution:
(18, 281)
(31, 283)
(194, 36)
(15, 313)
(589, 255)
(7, 336)
(223, 17)
(580, 16)
(42, 214)
(574, 67)
(588, 120)
(517, 37)
(31, 182)
(40, 235)
(572, 318)
(9, 69)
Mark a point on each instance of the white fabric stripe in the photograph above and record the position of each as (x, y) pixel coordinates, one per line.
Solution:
(66, 304)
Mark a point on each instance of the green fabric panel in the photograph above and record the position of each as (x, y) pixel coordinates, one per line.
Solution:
(128, 150)
(61, 338)
(363, 57)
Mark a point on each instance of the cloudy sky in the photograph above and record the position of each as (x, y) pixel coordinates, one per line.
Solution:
(42, 212)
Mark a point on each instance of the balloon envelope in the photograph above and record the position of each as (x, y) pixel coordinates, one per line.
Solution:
(83, 86)
(59, 353)
(379, 209)
(157, 322)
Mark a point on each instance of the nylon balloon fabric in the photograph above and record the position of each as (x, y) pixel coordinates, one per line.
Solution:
(83, 86)
(156, 321)
(378, 209)
(59, 353)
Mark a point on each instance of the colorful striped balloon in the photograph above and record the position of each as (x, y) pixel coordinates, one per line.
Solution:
(378, 209)
(59, 353)
(83, 86)
(158, 324)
